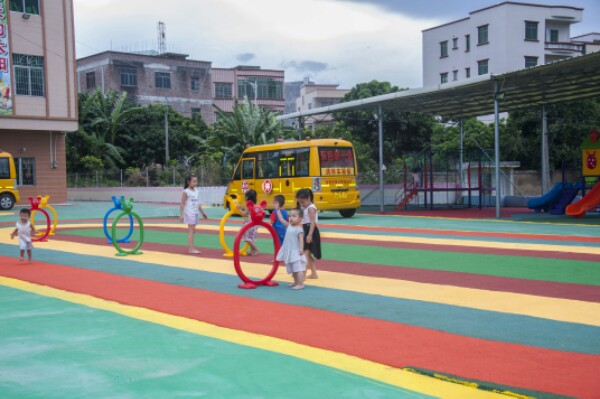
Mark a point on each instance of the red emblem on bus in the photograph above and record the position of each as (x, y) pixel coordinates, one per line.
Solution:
(267, 186)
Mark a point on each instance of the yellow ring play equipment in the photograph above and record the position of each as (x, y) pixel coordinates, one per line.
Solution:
(233, 210)
(44, 204)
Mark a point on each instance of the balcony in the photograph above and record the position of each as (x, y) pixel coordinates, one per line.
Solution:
(564, 47)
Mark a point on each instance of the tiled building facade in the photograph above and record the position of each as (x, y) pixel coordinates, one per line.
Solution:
(38, 104)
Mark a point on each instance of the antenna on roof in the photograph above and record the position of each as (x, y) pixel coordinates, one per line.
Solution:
(162, 39)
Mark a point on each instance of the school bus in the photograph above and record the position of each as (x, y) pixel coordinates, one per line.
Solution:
(9, 195)
(326, 166)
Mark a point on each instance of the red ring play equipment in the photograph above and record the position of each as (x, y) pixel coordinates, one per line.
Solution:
(35, 203)
(257, 215)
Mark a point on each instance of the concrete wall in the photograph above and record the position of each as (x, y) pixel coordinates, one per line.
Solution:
(209, 196)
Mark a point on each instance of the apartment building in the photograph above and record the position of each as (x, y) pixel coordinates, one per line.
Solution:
(263, 87)
(151, 78)
(497, 39)
(38, 96)
(314, 95)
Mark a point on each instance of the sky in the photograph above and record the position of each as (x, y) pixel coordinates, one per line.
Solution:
(343, 42)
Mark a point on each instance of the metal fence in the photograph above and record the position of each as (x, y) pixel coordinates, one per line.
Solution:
(157, 176)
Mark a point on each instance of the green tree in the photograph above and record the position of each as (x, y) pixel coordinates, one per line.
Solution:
(247, 125)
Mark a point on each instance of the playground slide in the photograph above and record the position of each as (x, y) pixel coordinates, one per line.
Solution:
(543, 202)
(587, 203)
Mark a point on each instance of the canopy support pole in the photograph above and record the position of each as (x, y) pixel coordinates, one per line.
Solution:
(545, 153)
(381, 192)
(497, 148)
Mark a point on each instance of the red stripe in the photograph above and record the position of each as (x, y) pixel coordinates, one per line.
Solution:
(551, 289)
(380, 341)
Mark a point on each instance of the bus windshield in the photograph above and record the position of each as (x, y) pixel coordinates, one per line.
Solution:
(336, 161)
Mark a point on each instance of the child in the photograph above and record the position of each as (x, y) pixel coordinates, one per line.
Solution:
(24, 229)
(312, 238)
(279, 217)
(250, 234)
(188, 210)
(292, 250)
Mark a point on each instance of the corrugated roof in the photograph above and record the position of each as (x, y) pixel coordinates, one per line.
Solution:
(572, 79)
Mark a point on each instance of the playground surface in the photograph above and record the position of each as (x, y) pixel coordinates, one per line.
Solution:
(407, 305)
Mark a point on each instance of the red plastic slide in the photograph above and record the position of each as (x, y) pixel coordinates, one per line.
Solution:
(587, 203)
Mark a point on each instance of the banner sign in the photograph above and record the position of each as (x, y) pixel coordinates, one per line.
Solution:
(5, 75)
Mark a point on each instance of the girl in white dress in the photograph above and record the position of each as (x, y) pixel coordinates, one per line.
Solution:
(23, 230)
(292, 249)
(189, 208)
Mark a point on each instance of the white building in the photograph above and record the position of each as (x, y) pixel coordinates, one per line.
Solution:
(501, 38)
(314, 95)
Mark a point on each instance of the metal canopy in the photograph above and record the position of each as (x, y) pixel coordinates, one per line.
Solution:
(563, 81)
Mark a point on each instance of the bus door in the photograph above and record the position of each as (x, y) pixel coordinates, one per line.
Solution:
(247, 174)
(267, 175)
(287, 172)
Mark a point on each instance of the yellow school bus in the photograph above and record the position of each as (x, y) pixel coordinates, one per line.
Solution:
(9, 195)
(326, 166)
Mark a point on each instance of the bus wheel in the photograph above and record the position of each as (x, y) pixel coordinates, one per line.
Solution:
(347, 213)
(7, 201)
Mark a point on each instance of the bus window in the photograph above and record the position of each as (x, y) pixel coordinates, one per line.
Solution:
(4, 168)
(302, 161)
(248, 168)
(336, 161)
(287, 163)
(267, 164)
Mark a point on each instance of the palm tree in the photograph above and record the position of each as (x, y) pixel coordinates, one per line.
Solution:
(247, 125)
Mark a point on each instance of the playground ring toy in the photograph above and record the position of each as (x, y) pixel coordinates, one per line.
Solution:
(43, 203)
(233, 210)
(127, 205)
(117, 202)
(35, 203)
(257, 214)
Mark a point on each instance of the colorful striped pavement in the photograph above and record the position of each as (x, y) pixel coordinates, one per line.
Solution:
(404, 308)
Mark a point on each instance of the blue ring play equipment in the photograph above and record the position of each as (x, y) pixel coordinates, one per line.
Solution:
(117, 207)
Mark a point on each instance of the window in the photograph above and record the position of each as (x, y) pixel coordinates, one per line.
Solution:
(444, 77)
(248, 168)
(444, 49)
(467, 72)
(195, 83)
(336, 161)
(90, 80)
(455, 75)
(128, 76)
(25, 6)
(4, 168)
(482, 35)
(267, 164)
(195, 113)
(223, 90)
(455, 43)
(25, 171)
(29, 75)
(265, 87)
(467, 43)
(530, 61)
(554, 35)
(162, 80)
(531, 30)
(482, 67)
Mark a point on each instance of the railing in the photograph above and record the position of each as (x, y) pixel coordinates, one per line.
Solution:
(564, 46)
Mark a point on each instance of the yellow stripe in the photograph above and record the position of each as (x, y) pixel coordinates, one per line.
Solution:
(351, 364)
(565, 310)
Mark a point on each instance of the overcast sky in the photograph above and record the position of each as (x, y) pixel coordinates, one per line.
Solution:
(332, 41)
